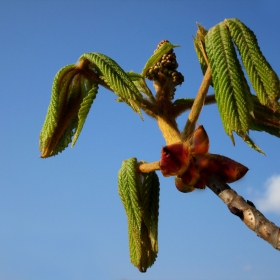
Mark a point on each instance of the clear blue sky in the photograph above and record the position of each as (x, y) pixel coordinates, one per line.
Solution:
(61, 218)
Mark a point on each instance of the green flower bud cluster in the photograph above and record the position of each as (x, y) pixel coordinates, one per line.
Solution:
(167, 65)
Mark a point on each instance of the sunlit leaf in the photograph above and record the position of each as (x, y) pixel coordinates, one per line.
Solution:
(264, 80)
(231, 89)
(116, 78)
(61, 116)
(140, 83)
(140, 196)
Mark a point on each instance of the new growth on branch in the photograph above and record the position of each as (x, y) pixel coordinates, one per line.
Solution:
(186, 154)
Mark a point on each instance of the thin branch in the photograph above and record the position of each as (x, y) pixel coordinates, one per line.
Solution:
(148, 167)
(246, 211)
(169, 129)
(197, 105)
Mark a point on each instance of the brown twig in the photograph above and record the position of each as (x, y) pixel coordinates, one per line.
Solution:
(247, 212)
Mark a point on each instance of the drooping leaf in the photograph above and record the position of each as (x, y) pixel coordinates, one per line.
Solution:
(150, 198)
(129, 191)
(163, 49)
(263, 78)
(116, 78)
(199, 45)
(73, 92)
(89, 95)
(231, 89)
(140, 196)
(252, 144)
(265, 119)
(60, 119)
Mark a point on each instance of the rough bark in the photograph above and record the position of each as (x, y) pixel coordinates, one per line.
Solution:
(246, 211)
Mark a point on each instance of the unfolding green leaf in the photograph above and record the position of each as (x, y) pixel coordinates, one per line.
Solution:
(231, 89)
(72, 96)
(163, 49)
(129, 181)
(183, 101)
(89, 95)
(140, 196)
(140, 83)
(134, 76)
(60, 119)
(264, 80)
(150, 198)
(116, 78)
(199, 45)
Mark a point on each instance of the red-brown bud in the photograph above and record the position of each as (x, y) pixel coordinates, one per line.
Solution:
(201, 167)
(191, 175)
(200, 141)
(174, 159)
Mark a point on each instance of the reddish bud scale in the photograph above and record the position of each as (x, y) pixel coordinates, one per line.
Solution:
(200, 141)
(191, 176)
(206, 165)
(193, 165)
(183, 187)
(174, 159)
(226, 168)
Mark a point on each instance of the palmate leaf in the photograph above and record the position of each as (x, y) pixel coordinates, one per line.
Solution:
(264, 80)
(116, 78)
(231, 89)
(139, 194)
(163, 49)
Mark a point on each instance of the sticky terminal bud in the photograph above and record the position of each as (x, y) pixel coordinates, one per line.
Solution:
(174, 159)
